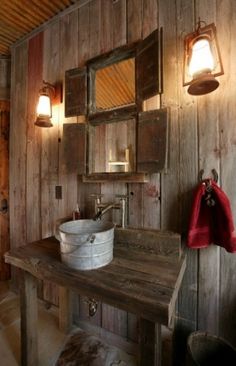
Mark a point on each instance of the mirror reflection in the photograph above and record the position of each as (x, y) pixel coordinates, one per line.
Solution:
(112, 147)
(115, 85)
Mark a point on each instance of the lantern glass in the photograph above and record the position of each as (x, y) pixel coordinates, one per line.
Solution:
(44, 106)
(202, 60)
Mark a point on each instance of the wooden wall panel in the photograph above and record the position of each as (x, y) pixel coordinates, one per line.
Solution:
(33, 152)
(18, 146)
(17, 156)
(68, 60)
(202, 135)
(208, 118)
(50, 148)
(226, 25)
(5, 78)
(4, 186)
(89, 38)
(134, 20)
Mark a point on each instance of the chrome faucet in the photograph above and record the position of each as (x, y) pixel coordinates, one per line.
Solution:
(102, 208)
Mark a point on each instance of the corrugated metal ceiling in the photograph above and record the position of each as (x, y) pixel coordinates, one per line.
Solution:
(19, 17)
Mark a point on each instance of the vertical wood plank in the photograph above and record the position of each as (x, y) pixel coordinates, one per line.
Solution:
(134, 20)
(150, 343)
(89, 46)
(226, 26)
(5, 78)
(115, 26)
(65, 309)
(68, 60)
(119, 23)
(83, 34)
(33, 152)
(4, 186)
(106, 40)
(94, 27)
(182, 171)
(187, 306)
(50, 148)
(208, 129)
(170, 180)
(114, 320)
(150, 17)
(29, 320)
(17, 149)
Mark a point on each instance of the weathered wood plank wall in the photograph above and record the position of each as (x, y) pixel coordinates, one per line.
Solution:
(202, 136)
(4, 186)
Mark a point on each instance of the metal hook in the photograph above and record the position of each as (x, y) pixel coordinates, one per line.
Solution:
(214, 173)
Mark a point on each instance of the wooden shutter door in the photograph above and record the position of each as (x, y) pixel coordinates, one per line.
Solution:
(149, 67)
(152, 141)
(76, 92)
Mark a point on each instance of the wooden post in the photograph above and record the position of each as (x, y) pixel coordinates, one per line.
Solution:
(29, 320)
(150, 343)
(65, 310)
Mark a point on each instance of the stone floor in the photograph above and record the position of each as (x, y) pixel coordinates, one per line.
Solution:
(51, 340)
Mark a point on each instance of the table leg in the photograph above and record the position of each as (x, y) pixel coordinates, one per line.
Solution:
(65, 310)
(29, 320)
(150, 343)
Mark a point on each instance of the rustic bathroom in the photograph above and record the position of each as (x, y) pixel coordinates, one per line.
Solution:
(117, 183)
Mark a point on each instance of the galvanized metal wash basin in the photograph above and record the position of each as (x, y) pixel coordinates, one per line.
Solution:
(86, 244)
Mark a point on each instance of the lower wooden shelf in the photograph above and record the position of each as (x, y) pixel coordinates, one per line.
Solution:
(111, 177)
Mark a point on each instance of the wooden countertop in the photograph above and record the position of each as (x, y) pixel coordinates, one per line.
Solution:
(136, 280)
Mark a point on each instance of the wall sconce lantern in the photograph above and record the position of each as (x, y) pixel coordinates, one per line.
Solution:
(202, 60)
(49, 95)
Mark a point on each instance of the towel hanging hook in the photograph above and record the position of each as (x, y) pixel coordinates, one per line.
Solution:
(214, 173)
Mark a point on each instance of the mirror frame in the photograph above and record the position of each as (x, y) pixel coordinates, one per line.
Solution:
(99, 62)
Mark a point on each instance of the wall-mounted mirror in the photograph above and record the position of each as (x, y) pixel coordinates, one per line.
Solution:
(111, 88)
(114, 85)
(112, 147)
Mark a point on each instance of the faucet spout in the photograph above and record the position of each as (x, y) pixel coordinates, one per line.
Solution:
(102, 211)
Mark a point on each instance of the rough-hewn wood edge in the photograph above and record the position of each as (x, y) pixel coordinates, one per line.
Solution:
(117, 54)
(111, 177)
(164, 242)
(79, 4)
(114, 115)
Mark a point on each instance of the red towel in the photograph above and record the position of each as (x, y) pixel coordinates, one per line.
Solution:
(211, 224)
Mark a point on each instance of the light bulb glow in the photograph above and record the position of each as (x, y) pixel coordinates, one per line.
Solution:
(202, 60)
(44, 106)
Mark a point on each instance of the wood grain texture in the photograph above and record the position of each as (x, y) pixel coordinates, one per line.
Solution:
(143, 290)
(209, 272)
(50, 148)
(202, 134)
(119, 25)
(29, 319)
(74, 142)
(134, 20)
(18, 146)
(187, 176)
(4, 186)
(225, 20)
(65, 310)
(152, 141)
(33, 152)
(5, 72)
(69, 33)
(150, 352)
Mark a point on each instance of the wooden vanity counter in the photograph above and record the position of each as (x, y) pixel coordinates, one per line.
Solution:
(137, 280)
